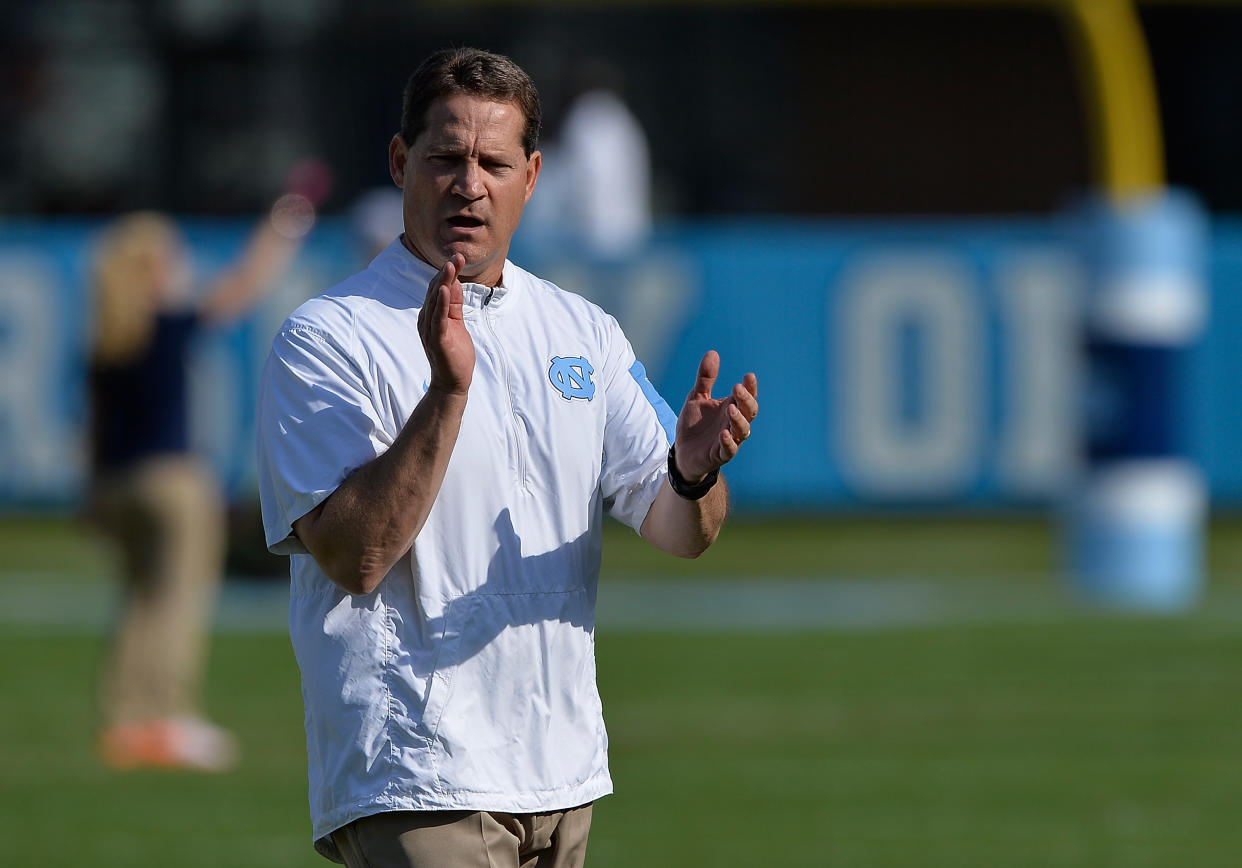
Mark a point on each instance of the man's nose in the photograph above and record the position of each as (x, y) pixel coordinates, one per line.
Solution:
(469, 181)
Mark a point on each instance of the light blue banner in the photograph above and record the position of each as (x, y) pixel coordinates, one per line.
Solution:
(917, 363)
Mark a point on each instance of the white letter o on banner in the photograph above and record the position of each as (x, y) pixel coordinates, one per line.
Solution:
(884, 454)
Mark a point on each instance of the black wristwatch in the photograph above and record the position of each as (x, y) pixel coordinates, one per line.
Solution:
(687, 490)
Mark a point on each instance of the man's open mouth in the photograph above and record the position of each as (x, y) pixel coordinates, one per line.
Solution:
(465, 222)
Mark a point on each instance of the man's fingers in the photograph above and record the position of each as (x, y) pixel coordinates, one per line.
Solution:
(432, 300)
(709, 369)
(751, 383)
(448, 279)
(448, 272)
(739, 425)
(455, 299)
(453, 268)
(444, 289)
(744, 398)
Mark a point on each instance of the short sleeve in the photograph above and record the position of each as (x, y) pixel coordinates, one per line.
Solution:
(638, 431)
(317, 423)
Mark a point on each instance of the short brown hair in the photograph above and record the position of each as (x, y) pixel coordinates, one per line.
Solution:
(477, 73)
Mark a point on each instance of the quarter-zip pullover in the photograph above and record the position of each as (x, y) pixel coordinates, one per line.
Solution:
(466, 680)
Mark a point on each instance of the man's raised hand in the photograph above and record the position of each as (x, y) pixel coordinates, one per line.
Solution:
(711, 430)
(442, 329)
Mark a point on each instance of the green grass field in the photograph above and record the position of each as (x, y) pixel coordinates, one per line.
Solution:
(1093, 739)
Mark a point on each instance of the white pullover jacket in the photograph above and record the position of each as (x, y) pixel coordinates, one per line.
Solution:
(466, 680)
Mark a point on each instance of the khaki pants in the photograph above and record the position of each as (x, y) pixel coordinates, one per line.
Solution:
(461, 839)
(167, 515)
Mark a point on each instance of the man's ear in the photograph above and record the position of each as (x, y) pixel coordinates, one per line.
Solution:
(398, 153)
(533, 164)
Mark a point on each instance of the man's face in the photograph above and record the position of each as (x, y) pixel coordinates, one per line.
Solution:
(465, 180)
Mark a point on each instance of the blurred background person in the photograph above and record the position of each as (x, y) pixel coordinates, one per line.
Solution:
(158, 501)
(597, 190)
(375, 220)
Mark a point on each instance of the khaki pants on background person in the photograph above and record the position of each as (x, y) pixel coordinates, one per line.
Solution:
(466, 839)
(167, 516)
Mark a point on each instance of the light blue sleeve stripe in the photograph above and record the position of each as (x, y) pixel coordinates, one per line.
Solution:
(668, 419)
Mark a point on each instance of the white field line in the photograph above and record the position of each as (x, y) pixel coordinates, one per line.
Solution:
(58, 603)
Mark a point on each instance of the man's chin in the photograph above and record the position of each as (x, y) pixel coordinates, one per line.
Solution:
(477, 260)
(476, 255)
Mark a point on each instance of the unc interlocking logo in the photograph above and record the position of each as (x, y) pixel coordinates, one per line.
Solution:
(571, 377)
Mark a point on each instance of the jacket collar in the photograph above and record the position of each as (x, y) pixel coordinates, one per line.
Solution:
(413, 275)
